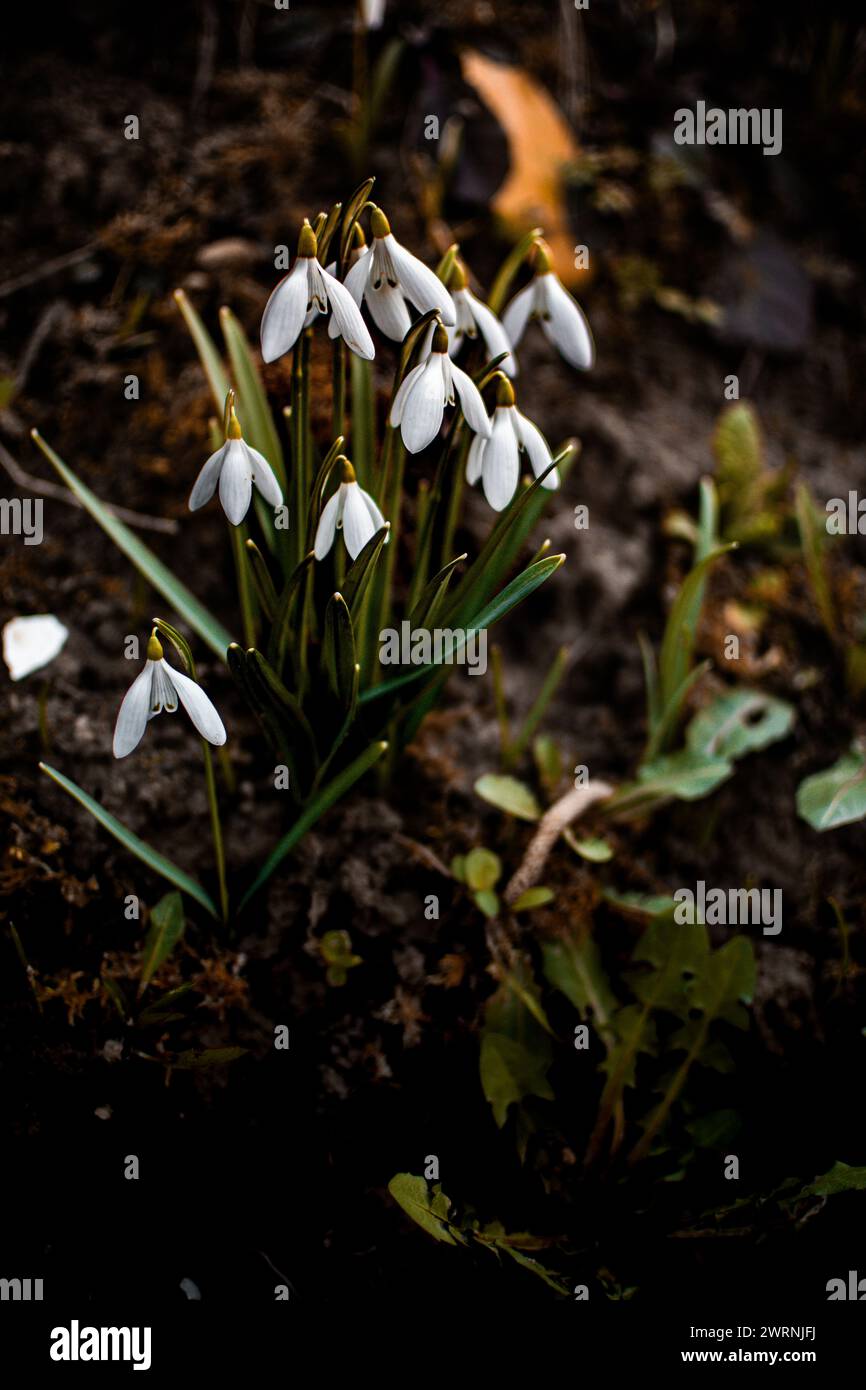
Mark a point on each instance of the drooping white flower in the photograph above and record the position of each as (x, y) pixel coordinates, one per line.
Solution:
(373, 13)
(386, 275)
(159, 687)
(474, 317)
(496, 461)
(30, 643)
(420, 403)
(350, 510)
(236, 466)
(309, 286)
(563, 321)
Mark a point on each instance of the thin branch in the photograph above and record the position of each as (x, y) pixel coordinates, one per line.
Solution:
(560, 815)
(31, 484)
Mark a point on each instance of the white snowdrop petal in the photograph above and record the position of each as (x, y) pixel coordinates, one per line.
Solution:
(327, 527)
(197, 705)
(475, 459)
(402, 395)
(537, 450)
(424, 406)
(358, 525)
(265, 478)
(420, 284)
(205, 484)
(286, 311)
(134, 712)
(347, 317)
(163, 695)
(373, 13)
(496, 339)
(516, 316)
(30, 643)
(388, 309)
(500, 472)
(565, 325)
(356, 280)
(471, 402)
(375, 515)
(236, 482)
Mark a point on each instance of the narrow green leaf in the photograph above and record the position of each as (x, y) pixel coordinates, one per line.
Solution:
(338, 649)
(813, 539)
(165, 930)
(514, 593)
(153, 570)
(207, 351)
(431, 597)
(149, 856)
(355, 584)
(311, 813)
(681, 627)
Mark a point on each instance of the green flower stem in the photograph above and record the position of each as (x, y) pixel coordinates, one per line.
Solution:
(421, 569)
(338, 425)
(246, 598)
(393, 497)
(455, 497)
(216, 830)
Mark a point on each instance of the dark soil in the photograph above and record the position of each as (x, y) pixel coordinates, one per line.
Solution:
(281, 1160)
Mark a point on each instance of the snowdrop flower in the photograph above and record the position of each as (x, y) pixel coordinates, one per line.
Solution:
(308, 286)
(473, 318)
(372, 13)
(420, 403)
(560, 316)
(236, 466)
(387, 275)
(352, 511)
(496, 460)
(159, 687)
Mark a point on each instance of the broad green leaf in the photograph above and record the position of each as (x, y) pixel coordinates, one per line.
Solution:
(840, 1178)
(487, 902)
(165, 930)
(153, 570)
(482, 868)
(149, 856)
(670, 955)
(644, 904)
(836, 796)
(509, 795)
(413, 1195)
(573, 966)
(201, 1059)
(739, 722)
(533, 897)
(684, 775)
(724, 980)
(317, 806)
(510, 1072)
(596, 851)
(256, 417)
